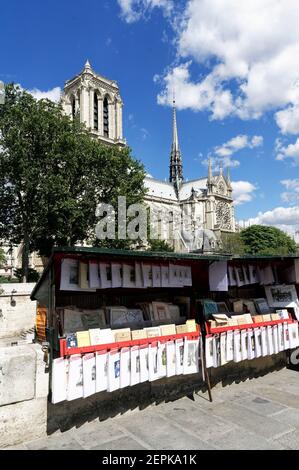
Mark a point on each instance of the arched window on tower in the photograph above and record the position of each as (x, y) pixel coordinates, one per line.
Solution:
(95, 112)
(105, 117)
(73, 104)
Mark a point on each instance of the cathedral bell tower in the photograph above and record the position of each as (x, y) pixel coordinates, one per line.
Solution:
(97, 102)
(176, 166)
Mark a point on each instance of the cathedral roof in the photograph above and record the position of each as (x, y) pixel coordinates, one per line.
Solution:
(186, 188)
(161, 189)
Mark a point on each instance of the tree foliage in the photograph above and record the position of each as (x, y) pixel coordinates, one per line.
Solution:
(232, 243)
(265, 240)
(53, 174)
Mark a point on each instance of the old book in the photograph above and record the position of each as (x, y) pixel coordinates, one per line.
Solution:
(106, 336)
(83, 339)
(258, 318)
(180, 329)
(138, 334)
(153, 332)
(95, 336)
(274, 316)
(71, 340)
(238, 306)
(167, 330)
(220, 318)
(191, 326)
(267, 317)
(123, 334)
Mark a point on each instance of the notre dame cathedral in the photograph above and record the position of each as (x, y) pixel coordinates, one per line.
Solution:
(208, 200)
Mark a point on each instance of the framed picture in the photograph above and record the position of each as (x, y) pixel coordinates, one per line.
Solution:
(70, 276)
(117, 315)
(262, 306)
(161, 311)
(129, 275)
(281, 296)
(106, 275)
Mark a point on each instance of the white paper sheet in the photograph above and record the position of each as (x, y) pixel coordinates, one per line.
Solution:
(174, 275)
(157, 280)
(117, 275)
(113, 370)
(251, 345)
(191, 356)
(106, 336)
(162, 359)
(229, 346)
(129, 276)
(264, 341)
(59, 379)
(253, 274)
(165, 276)
(270, 340)
(258, 342)
(216, 351)
(275, 339)
(147, 275)
(244, 344)
(293, 335)
(286, 336)
(280, 337)
(237, 346)
(94, 276)
(125, 367)
(75, 378)
(232, 276)
(209, 351)
(95, 336)
(153, 362)
(179, 356)
(89, 375)
(106, 275)
(143, 353)
(170, 359)
(135, 365)
(218, 279)
(101, 371)
(223, 360)
(239, 276)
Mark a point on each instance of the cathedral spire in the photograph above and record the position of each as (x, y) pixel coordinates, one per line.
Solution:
(176, 167)
(210, 175)
(87, 65)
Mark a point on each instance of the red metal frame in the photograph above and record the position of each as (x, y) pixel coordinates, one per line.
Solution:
(64, 351)
(245, 326)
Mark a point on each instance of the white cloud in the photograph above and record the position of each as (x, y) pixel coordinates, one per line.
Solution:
(251, 50)
(285, 218)
(290, 196)
(243, 191)
(53, 95)
(291, 151)
(133, 10)
(222, 154)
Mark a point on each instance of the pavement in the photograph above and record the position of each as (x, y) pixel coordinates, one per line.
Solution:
(261, 413)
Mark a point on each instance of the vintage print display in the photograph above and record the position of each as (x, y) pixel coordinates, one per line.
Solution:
(70, 276)
(191, 356)
(94, 276)
(179, 355)
(59, 379)
(281, 296)
(135, 365)
(129, 276)
(101, 371)
(170, 359)
(75, 378)
(89, 375)
(113, 370)
(83, 275)
(143, 354)
(117, 275)
(218, 277)
(125, 367)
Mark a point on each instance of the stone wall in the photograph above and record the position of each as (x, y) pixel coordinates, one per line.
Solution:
(23, 394)
(17, 311)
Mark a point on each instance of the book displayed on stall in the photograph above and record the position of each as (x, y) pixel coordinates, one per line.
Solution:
(89, 375)
(143, 354)
(135, 365)
(101, 371)
(75, 378)
(95, 336)
(59, 382)
(125, 367)
(179, 356)
(113, 370)
(83, 339)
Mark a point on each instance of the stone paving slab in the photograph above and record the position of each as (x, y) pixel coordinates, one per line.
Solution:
(263, 426)
(63, 442)
(259, 405)
(241, 439)
(161, 433)
(290, 440)
(96, 433)
(122, 443)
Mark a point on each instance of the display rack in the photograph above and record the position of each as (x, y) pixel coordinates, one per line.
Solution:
(246, 326)
(65, 351)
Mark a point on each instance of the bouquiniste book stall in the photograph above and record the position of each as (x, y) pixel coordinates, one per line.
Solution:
(117, 318)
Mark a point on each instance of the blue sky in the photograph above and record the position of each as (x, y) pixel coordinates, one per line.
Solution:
(235, 78)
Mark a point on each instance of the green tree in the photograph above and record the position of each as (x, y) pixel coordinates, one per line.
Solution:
(264, 240)
(160, 245)
(232, 243)
(53, 174)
